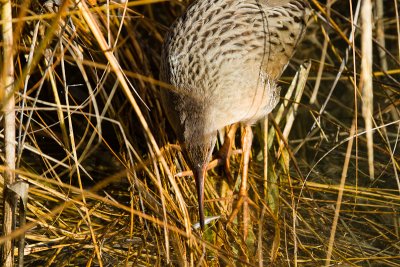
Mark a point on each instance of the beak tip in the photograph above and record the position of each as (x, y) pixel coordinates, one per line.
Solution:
(199, 175)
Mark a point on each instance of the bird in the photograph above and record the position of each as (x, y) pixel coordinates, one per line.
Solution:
(223, 59)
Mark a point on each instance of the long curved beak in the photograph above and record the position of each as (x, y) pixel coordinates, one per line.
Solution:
(199, 175)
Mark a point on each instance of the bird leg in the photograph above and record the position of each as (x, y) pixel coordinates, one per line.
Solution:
(247, 140)
(225, 151)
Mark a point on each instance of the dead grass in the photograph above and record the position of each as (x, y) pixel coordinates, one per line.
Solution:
(103, 165)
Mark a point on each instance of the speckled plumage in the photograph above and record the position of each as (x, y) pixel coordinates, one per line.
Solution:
(224, 58)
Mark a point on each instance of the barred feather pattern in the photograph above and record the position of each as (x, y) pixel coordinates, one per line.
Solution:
(224, 58)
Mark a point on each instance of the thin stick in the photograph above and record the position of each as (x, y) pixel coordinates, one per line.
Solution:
(323, 57)
(340, 196)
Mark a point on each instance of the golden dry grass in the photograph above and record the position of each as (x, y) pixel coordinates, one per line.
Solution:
(106, 174)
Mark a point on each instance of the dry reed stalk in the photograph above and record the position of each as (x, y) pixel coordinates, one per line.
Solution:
(380, 34)
(366, 80)
(322, 60)
(8, 110)
(340, 197)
